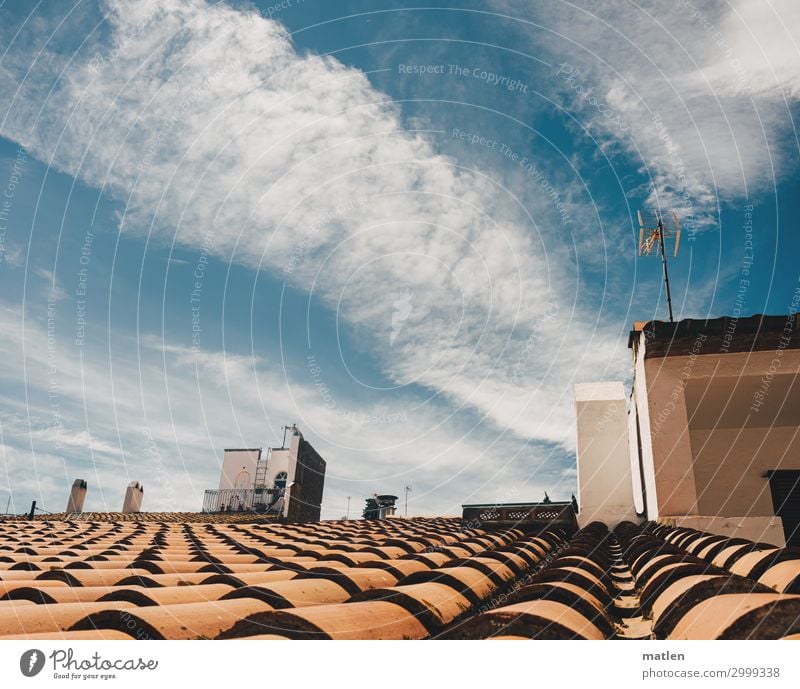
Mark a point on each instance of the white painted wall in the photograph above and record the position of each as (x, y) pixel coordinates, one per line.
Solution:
(605, 489)
(643, 413)
(284, 460)
(636, 468)
(234, 463)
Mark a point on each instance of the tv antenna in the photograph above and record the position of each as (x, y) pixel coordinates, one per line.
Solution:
(654, 228)
(293, 427)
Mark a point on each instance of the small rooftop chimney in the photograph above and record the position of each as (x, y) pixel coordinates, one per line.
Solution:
(77, 496)
(134, 495)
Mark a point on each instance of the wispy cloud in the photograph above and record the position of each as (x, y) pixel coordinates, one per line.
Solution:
(220, 136)
(698, 91)
(54, 290)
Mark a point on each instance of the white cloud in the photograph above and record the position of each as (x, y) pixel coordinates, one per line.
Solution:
(55, 291)
(699, 91)
(223, 137)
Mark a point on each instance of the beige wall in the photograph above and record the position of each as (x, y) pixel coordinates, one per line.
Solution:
(729, 465)
(717, 422)
(603, 455)
(672, 473)
(761, 529)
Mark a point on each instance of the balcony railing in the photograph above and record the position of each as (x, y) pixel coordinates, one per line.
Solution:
(259, 500)
(520, 515)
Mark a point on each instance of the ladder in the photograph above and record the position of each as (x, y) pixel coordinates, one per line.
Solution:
(261, 469)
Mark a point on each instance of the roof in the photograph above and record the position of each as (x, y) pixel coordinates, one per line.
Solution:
(719, 335)
(165, 517)
(388, 579)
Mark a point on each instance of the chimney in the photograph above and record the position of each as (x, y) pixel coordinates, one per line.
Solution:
(133, 498)
(76, 496)
(605, 484)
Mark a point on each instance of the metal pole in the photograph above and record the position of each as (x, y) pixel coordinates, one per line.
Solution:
(348, 508)
(8, 504)
(666, 273)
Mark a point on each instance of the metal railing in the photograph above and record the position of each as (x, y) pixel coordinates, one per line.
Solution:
(260, 500)
(520, 515)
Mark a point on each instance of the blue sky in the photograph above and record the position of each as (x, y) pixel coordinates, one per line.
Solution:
(410, 231)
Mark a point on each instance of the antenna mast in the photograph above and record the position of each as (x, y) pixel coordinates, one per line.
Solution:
(652, 233)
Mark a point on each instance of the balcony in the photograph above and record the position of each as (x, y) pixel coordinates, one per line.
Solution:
(258, 500)
(529, 516)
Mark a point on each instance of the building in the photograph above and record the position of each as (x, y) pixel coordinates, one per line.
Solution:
(286, 482)
(713, 429)
(380, 507)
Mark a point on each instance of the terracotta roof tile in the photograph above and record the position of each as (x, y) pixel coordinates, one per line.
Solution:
(296, 593)
(783, 577)
(182, 621)
(367, 620)
(538, 619)
(741, 616)
(184, 575)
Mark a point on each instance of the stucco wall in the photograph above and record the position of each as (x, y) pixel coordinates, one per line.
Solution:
(236, 461)
(717, 422)
(605, 490)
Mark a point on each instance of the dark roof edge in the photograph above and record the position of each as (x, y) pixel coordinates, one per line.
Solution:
(734, 328)
(554, 503)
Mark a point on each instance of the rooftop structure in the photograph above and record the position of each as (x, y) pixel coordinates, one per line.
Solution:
(605, 489)
(526, 516)
(716, 411)
(713, 430)
(380, 507)
(77, 496)
(287, 481)
(134, 494)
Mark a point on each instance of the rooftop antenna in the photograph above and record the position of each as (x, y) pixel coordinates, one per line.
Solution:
(654, 227)
(408, 490)
(293, 427)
